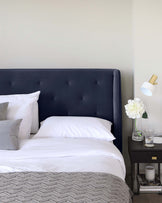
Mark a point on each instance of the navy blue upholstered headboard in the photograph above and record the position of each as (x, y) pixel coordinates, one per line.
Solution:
(70, 92)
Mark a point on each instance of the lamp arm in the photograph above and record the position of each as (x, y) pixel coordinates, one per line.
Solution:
(153, 79)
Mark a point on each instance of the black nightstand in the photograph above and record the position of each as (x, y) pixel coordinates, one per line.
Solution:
(140, 154)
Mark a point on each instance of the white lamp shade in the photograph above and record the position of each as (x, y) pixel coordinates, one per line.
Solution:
(147, 88)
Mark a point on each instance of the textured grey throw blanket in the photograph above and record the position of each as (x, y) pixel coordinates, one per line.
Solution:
(48, 187)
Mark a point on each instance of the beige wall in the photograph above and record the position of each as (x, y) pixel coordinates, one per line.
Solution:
(69, 34)
(147, 24)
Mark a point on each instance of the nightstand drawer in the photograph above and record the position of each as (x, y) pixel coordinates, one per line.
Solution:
(146, 157)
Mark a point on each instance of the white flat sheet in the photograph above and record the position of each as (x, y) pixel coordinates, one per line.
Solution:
(64, 155)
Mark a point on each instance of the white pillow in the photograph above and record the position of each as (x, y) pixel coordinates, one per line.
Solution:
(21, 98)
(72, 126)
(22, 110)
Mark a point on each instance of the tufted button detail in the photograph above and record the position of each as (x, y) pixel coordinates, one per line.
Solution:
(68, 82)
(82, 98)
(39, 83)
(11, 83)
(97, 82)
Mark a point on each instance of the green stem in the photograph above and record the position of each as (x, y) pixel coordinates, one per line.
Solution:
(135, 124)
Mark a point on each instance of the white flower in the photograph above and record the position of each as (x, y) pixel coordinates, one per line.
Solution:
(135, 108)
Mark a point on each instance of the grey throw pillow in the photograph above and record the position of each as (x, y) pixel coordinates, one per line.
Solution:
(9, 130)
(3, 111)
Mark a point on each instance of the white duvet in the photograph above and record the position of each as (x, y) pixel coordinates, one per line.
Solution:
(64, 155)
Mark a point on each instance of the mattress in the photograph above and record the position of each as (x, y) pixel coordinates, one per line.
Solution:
(64, 155)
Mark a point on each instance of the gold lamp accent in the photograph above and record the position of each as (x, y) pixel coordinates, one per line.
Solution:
(147, 88)
(153, 79)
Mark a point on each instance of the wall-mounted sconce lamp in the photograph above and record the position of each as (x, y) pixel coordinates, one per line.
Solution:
(147, 88)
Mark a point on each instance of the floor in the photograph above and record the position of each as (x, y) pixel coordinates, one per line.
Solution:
(147, 198)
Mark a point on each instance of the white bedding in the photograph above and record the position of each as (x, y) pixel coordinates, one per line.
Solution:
(64, 155)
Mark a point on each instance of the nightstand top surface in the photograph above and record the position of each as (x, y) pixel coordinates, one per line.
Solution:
(139, 146)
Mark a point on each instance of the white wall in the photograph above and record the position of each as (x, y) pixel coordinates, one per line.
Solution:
(69, 34)
(147, 24)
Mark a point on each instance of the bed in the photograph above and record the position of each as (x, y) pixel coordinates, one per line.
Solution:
(61, 169)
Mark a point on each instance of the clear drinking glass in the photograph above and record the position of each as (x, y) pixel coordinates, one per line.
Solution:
(149, 139)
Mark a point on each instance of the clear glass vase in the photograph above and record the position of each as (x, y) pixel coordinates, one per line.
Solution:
(137, 134)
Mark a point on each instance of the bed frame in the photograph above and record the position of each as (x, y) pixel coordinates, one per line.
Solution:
(70, 92)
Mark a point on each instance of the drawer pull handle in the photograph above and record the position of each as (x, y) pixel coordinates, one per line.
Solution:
(154, 157)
